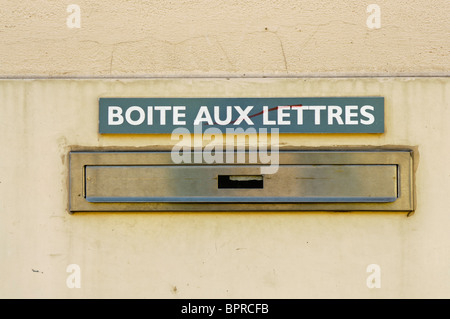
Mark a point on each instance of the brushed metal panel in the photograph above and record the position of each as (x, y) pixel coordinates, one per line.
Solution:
(291, 183)
(325, 180)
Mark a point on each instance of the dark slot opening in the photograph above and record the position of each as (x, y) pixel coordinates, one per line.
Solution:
(240, 181)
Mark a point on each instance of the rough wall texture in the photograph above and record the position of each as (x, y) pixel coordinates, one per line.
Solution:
(227, 38)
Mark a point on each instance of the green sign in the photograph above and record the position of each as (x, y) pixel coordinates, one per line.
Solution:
(287, 114)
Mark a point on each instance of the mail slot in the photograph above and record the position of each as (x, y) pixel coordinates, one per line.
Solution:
(304, 180)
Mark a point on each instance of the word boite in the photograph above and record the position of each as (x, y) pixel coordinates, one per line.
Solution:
(288, 115)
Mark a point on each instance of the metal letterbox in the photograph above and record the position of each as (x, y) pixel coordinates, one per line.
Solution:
(326, 180)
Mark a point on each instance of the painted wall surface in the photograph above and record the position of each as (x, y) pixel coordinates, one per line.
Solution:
(215, 255)
(226, 38)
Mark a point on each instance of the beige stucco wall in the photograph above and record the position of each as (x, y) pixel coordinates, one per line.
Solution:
(218, 255)
(51, 79)
(226, 38)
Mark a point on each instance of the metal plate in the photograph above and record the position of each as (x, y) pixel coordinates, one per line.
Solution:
(292, 183)
(305, 180)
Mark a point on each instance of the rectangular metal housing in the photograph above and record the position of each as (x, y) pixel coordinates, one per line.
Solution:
(305, 181)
